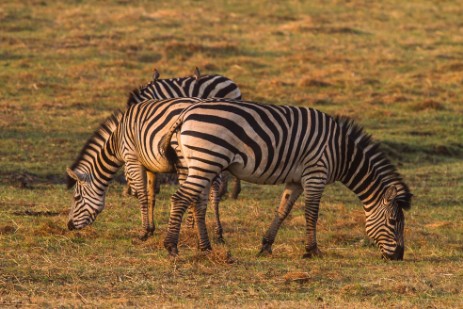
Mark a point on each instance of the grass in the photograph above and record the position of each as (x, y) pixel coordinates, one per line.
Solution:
(394, 67)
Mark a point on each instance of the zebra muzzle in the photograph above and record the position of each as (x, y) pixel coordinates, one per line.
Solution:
(398, 254)
(71, 225)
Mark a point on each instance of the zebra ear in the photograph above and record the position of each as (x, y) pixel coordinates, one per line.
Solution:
(405, 201)
(197, 73)
(155, 74)
(391, 194)
(74, 177)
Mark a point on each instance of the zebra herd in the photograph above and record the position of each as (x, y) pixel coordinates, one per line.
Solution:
(183, 125)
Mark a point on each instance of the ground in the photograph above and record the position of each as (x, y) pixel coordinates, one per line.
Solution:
(395, 67)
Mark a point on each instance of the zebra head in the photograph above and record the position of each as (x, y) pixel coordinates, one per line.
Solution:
(88, 202)
(385, 224)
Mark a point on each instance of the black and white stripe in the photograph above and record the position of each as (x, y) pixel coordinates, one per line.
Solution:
(301, 147)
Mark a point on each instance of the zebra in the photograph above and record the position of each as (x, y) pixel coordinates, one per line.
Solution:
(301, 147)
(108, 149)
(201, 86)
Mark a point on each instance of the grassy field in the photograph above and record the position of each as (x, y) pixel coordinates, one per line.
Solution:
(396, 67)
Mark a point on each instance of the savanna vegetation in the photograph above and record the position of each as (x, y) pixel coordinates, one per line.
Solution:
(396, 67)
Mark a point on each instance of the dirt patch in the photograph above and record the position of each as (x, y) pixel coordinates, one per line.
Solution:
(439, 224)
(50, 228)
(176, 48)
(220, 255)
(26, 180)
(296, 276)
(7, 229)
(428, 105)
(33, 213)
(421, 133)
(454, 67)
(314, 83)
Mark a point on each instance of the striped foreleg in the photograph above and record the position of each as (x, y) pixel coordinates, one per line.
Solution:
(137, 179)
(290, 194)
(314, 185)
(151, 191)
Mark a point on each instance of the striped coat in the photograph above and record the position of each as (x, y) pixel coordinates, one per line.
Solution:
(301, 147)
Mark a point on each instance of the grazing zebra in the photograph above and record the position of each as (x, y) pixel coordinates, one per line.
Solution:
(110, 147)
(301, 147)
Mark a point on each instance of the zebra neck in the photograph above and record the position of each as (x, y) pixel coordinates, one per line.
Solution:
(365, 173)
(104, 166)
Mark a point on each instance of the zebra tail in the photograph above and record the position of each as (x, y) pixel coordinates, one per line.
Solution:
(164, 147)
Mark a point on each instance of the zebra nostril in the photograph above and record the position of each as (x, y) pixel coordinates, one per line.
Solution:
(71, 225)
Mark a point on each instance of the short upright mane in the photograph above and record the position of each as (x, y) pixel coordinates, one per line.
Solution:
(132, 98)
(132, 94)
(364, 140)
(102, 133)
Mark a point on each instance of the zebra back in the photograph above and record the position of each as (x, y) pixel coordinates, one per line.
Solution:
(205, 86)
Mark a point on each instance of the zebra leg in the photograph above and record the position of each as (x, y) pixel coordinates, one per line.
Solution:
(223, 188)
(214, 197)
(290, 194)
(190, 221)
(137, 178)
(236, 188)
(151, 191)
(128, 191)
(200, 218)
(313, 189)
(157, 185)
(179, 203)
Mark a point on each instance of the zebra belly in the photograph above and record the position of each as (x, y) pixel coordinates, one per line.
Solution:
(280, 176)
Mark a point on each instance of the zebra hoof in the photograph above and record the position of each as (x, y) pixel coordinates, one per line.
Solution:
(207, 248)
(266, 250)
(172, 250)
(312, 252)
(146, 234)
(220, 240)
(234, 196)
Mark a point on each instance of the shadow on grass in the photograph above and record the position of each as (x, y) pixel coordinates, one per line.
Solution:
(432, 153)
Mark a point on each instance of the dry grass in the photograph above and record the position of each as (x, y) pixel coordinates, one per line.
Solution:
(395, 67)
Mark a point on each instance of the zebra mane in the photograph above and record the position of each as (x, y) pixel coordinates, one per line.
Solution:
(102, 133)
(364, 140)
(133, 94)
